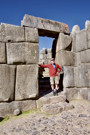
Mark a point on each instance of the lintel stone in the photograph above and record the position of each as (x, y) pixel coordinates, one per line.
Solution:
(45, 26)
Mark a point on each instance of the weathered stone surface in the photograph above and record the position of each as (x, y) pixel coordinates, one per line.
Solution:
(88, 44)
(7, 80)
(46, 27)
(24, 52)
(11, 33)
(2, 53)
(68, 80)
(50, 100)
(84, 92)
(77, 93)
(77, 59)
(27, 105)
(82, 75)
(26, 82)
(65, 58)
(56, 108)
(71, 93)
(12, 108)
(87, 24)
(88, 37)
(85, 56)
(31, 35)
(75, 29)
(80, 41)
(63, 42)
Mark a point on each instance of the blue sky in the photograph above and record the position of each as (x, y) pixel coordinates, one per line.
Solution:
(71, 12)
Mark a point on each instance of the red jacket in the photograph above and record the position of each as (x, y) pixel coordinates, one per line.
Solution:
(52, 71)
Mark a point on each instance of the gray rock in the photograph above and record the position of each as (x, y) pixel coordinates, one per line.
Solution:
(65, 58)
(31, 35)
(27, 105)
(26, 82)
(85, 56)
(68, 80)
(75, 29)
(2, 53)
(24, 52)
(82, 75)
(88, 44)
(16, 112)
(71, 93)
(63, 42)
(80, 41)
(11, 33)
(77, 93)
(77, 59)
(87, 24)
(51, 100)
(7, 82)
(46, 27)
(16, 107)
(7, 109)
(56, 108)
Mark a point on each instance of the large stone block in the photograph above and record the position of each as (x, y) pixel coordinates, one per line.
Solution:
(77, 93)
(68, 80)
(87, 24)
(65, 58)
(9, 109)
(88, 37)
(26, 82)
(82, 75)
(2, 53)
(85, 56)
(75, 29)
(63, 42)
(7, 82)
(79, 42)
(31, 35)
(24, 52)
(46, 27)
(77, 59)
(11, 33)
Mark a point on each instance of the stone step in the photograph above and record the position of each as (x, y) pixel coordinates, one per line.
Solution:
(50, 99)
(56, 108)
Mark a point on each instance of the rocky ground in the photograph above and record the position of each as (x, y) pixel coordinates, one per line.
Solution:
(75, 121)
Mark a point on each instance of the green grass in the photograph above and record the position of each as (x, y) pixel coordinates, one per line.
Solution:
(4, 120)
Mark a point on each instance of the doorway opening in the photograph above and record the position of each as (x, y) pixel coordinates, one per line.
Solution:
(47, 50)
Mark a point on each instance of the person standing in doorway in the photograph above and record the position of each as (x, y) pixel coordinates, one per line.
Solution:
(54, 70)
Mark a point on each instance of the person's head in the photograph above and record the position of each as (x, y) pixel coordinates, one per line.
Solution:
(52, 60)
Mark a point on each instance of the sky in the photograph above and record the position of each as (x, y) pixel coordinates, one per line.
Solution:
(71, 12)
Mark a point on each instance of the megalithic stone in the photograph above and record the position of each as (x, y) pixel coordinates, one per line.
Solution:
(7, 82)
(45, 26)
(11, 33)
(26, 82)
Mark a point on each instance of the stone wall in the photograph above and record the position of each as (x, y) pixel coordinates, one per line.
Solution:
(19, 55)
(73, 53)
